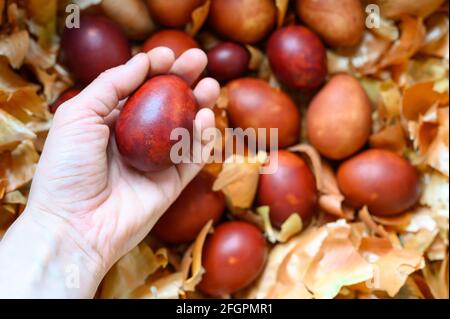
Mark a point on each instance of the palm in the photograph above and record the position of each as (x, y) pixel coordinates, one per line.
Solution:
(83, 179)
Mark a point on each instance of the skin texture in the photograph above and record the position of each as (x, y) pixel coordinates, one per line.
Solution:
(143, 129)
(173, 13)
(297, 57)
(233, 257)
(86, 206)
(291, 189)
(344, 133)
(384, 181)
(227, 61)
(197, 204)
(345, 20)
(95, 47)
(255, 104)
(67, 95)
(178, 41)
(245, 21)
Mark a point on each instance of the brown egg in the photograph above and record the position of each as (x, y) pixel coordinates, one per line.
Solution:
(144, 126)
(196, 205)
(291, 189)
(245, 21)
(384, 181)
(297, 57)
(255, 104)
(233, 257)
(173, 13)
(177, 41)
(339, 118)
(339, 22)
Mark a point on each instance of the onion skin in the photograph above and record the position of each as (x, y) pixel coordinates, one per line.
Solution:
(133, 17)
(297, 57)
(233, 257)
(196, 205)
(143, 128)
(227, 61)
(291, 189)
(67, 95)
(340, 23)
(177, 41)
(95, 47)
(339, 118)
(384, 181)
(173, 13)
(253, 103)
(244, 21)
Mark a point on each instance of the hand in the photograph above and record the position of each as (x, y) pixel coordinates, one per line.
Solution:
(81, 178)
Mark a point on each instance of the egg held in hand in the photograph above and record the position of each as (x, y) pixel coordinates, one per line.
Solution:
(143, 129)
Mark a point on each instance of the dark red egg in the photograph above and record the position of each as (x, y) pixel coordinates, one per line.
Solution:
(233, 257)
(382, 180)
(173, 13)
(227, 61)
(197, 204)
(291, 189)
(67, 95)
(297, 57)
(143, 128)
(95, 47)
(254, 104)
(177, 41)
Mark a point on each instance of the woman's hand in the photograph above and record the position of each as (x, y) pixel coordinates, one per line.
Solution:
(83, 188)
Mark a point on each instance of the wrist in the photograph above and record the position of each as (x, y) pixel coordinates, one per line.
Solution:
(51, 259)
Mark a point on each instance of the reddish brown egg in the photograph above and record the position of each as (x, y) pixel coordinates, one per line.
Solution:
(339, 22)
(253, 103)
(227, 61)
(245, 21)
(339, 118)
(143, 128)
(67, 95)
(177, 41)
(297, 57)
(233, 257)
(96, 46)
(384, 181)
(197, 204)
(291, 189)
(173, 13)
